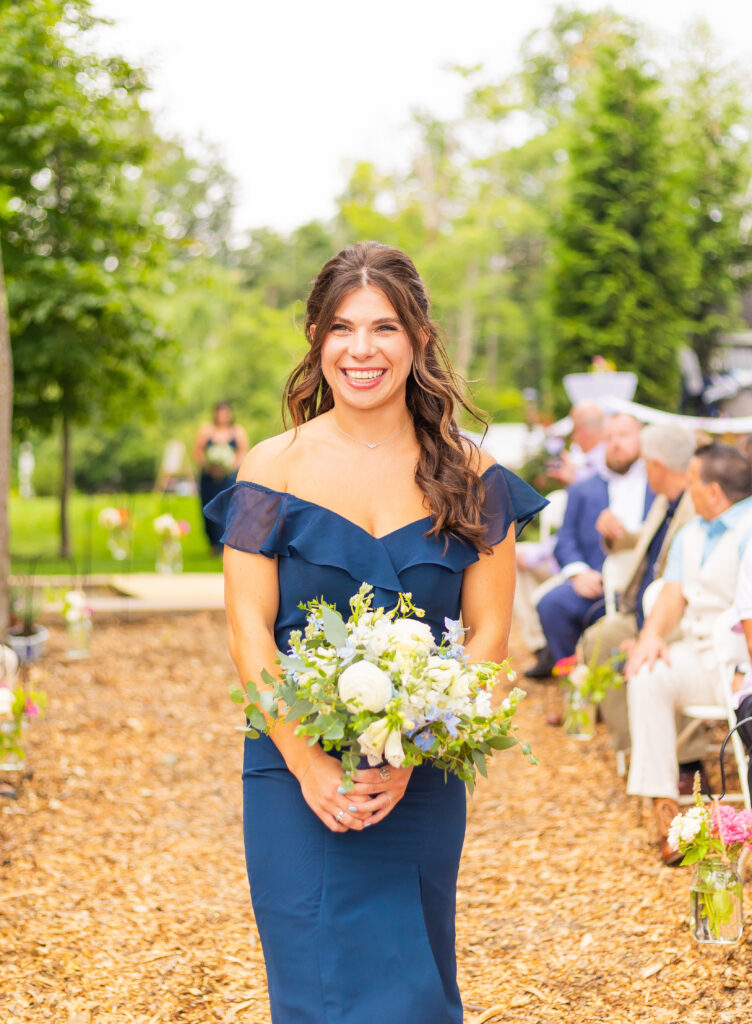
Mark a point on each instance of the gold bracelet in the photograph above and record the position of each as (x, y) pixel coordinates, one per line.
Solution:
(320, 754)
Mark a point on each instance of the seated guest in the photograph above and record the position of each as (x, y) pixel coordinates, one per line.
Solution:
(600, 510)
(666, 451)
(700, 583)
(536, 564)
(743, 678)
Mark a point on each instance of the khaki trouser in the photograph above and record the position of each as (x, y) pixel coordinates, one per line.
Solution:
(602, 640)
(654, 696)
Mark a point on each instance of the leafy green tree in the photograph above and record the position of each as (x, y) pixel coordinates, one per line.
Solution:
(81, 238)
(6, 410)
(622, 268)
(711, 119)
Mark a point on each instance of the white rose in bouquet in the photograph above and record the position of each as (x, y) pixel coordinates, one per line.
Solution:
(364, 686)
(446, 676)
(578, 676)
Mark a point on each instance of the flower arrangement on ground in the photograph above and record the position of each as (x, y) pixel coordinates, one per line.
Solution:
(170, 532)
(117, 522)
(585, 686)
(17, 705)
(220, 459)
(378, 687)
(77, 614)
(712, 838)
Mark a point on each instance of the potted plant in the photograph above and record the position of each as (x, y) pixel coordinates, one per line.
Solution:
(26, 636)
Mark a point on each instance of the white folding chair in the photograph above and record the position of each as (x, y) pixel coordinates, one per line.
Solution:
(730, 649)
(552, 516)
(615, 576)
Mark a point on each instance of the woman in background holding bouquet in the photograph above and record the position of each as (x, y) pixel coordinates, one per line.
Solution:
(354, 891)
(218, 450)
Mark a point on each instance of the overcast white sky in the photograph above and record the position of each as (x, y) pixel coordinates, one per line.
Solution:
(294, 92)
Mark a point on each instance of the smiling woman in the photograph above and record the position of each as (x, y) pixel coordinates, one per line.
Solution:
(374, 483)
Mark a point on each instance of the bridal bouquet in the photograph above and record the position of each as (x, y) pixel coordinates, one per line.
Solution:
(378, 686)
(220, 457)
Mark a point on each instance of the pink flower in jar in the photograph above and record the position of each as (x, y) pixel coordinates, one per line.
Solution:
(30, 708)
(735, 826)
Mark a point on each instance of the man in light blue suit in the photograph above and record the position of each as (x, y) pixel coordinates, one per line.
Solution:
(609, 506)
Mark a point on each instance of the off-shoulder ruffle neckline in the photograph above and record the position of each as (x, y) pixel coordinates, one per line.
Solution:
(338, 515)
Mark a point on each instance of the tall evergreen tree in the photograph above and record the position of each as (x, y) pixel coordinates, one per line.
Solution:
(622, 269)
(81, 238)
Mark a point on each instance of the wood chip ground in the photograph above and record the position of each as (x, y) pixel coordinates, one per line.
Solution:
(124, 897)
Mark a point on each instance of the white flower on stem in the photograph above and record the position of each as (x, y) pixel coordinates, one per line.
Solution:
(167, 526)
(373, 739)
(110, 518)
(6, 701)
(483, 704)
(393, 751)
(364, 686)
(578, 676)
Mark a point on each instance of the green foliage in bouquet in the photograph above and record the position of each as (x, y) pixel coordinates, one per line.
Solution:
(378, 686)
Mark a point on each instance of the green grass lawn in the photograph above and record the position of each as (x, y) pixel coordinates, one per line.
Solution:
(35, 532)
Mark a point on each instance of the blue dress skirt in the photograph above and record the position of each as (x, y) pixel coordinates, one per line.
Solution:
(357, 927)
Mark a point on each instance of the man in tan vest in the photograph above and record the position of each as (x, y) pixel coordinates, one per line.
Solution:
(700, 583)
(666, 450)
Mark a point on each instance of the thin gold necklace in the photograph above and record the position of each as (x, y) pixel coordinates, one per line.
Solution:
(370, 444)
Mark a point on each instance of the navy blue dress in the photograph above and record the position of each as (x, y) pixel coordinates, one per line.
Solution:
(357, 927)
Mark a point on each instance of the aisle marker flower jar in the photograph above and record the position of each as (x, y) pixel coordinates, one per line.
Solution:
(17, 706)
(712, 839)
(584, 688)
(117, 522)
(170, 532)
(77, 615)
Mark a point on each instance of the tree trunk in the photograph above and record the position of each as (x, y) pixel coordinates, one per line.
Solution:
(465, 345)
(492, 358)
(6, 411)
(66, 486)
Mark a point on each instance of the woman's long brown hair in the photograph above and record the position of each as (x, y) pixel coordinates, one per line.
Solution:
(445, 471)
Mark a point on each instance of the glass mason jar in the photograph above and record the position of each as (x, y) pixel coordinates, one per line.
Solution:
(579, 715)
(715, 911)
(79, 637)
(13, 745)
(170, 555)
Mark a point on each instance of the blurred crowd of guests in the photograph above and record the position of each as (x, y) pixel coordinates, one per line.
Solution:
(657, 504)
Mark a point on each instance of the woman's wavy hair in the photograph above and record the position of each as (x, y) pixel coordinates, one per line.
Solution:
(445, 472)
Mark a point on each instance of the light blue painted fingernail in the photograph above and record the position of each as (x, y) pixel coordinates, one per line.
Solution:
(341, 790)
(352, 808)
(368, 824)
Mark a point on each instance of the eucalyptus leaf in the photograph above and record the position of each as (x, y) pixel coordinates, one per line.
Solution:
(335, 630)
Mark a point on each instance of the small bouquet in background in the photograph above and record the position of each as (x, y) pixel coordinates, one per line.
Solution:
(117, 522)
(712, 839)
(170, 532)
(17, 705)
(585, 686)
(378, 687)
(220, 459)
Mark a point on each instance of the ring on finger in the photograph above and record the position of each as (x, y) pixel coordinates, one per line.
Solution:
(339, 816)
(384, 773)
(389, 798)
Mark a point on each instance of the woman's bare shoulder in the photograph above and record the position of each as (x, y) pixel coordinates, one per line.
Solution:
(266, 463)
(478, 459)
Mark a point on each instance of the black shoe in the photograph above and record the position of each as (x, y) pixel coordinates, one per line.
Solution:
(543, 667)
(687, 778)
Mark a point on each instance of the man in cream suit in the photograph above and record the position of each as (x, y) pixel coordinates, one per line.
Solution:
(666, 450)
(700, 583)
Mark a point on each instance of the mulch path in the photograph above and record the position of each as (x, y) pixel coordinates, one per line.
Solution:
(123, 894)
